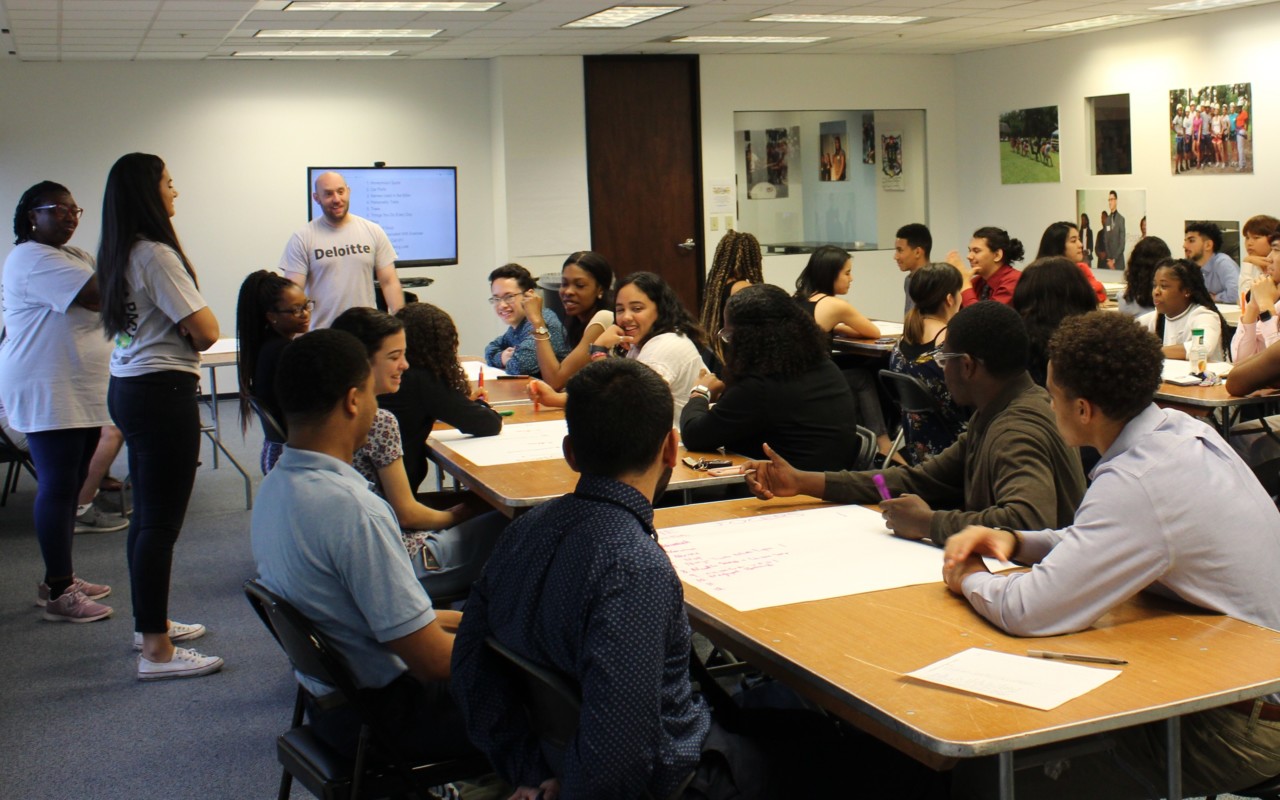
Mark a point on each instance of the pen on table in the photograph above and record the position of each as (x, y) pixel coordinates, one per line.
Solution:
(1074, 657)
(506, 413)
(878, 480)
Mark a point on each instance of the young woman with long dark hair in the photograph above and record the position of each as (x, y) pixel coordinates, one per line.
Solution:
(1062, 239)
(1051, 290)
(586, 280)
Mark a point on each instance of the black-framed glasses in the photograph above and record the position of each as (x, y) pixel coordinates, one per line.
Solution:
(509, 298)
(297, 311)
(62, 210)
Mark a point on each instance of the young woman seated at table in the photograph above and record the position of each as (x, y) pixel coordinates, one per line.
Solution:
(1062, 239)
(585, 282)
(1183, 305)
(1258, 315)
(780, 386)
(1140, 275)
(935, 292)
(448, 548)
(433, 388)
(652, 327)
(1051, 289)
(270, 312)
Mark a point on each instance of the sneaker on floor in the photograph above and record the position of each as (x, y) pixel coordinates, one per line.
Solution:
(93, 591)
(185, 664)
(95, 520)
(74, 606)
(109, 503)
(178, 632)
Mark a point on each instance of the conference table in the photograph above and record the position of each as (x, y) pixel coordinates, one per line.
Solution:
(1214, 403)
(850, 654)
(224, 353)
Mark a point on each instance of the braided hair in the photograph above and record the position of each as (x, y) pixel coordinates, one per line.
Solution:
(737, 258)
(35, 196)
(259, 294)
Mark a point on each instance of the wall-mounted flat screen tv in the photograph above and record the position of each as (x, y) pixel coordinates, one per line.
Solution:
(416, 206)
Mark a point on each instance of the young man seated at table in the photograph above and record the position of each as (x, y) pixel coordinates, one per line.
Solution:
(1010, 467)
(331, 547)
(1152, 519)
(516, 350)
(581, 586)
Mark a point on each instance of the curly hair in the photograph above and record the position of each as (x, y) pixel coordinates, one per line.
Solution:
(40, 194)
(259, 294)
(1055, 289)
(431, 344)
(1140, 269)
(1109, 360)
(673, 317)
(598, 268)
(999, 239)
(819, 275)
(1190, 276)
(930, 287)
(771, 336)
(1206, 230)
(737, 258)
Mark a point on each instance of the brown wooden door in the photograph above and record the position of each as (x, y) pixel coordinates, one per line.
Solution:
(644, 167)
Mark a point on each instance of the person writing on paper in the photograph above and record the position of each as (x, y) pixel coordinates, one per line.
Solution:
(585, 294)
(1010, 467)
(1183, 305)
(1258, 321)
(516, 350)
(1133, 533)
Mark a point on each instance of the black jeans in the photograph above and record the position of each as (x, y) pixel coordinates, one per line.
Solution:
(62, 461)
(158, 415)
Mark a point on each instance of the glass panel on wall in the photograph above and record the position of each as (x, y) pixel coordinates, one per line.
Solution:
(1112, 151)
(809, 178)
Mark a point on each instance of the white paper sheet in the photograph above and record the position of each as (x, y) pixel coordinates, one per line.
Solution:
(532, 441)
(797, 556)
(1034, 682)
(473, 369)
(226, 345)
(1176, 368)
(888, 328)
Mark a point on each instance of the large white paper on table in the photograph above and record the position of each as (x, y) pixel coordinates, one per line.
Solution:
(797, 556)
(1034, 682)
(474, 368)
(1179, 368)
(888, 328)
(225, 345)
(532, 441)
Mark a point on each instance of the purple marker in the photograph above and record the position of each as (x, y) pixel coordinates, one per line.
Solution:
(878, 480)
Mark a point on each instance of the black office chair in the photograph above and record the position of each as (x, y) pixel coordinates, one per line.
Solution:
(911, 396)
(379, 769)
(867, 450)
(272, 428)
(1267, 790)
(18, 460)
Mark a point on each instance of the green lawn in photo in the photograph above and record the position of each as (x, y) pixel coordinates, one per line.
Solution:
(1016, 168)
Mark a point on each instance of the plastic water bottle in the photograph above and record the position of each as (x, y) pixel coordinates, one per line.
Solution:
(1197, 354)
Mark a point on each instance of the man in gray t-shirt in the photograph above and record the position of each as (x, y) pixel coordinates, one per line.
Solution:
(335, 257)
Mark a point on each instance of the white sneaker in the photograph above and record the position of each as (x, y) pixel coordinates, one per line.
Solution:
(95, 520)
(178, 632)
(185, 664)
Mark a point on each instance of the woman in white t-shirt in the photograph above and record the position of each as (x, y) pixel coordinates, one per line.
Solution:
(654, 328)
(153, 311)
(53, 382)
(1183, 304)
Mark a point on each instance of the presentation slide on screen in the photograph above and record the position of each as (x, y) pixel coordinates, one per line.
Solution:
(415, 206)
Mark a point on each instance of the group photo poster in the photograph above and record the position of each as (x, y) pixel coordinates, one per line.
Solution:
(1029, 148)
(1211, 130)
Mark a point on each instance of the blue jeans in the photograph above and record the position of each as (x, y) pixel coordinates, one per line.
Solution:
(62, 461)
(158, 415)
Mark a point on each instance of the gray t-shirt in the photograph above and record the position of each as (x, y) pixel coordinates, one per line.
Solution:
(161, 294)
(53, 363)
(338, 264)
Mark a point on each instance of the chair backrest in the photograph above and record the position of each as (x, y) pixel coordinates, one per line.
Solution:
(308, 650)
(272, 428)
(867, 450)
(911, 395)
(551, 701)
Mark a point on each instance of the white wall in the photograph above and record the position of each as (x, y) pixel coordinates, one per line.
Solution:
(1145, 62)
(237, 138)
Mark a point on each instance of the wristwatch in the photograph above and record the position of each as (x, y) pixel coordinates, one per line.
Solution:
(702, 390)
(541, 330)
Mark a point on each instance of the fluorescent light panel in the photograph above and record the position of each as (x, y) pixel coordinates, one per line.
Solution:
(371, 33)
(748, 39)
(313, 53)
(621, 16)
(838, 19)
(435, 5)
(1089, 24)
(1201, 5)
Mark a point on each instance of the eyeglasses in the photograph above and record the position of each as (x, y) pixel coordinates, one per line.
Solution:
(62, 210)
(508, 299)
(298, 311)
(725, 334)
(941, 356)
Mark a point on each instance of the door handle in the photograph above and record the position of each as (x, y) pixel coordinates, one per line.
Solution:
(688, 244)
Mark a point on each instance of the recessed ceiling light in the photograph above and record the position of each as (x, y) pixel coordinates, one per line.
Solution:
(621, 16)
(1088, 24)
(1201, 5)
(313, 53)
(838, 19)
(748, 39)
(436, 5)
(371, 33)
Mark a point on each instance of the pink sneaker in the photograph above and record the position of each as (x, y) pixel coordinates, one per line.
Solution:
(74, 606)
(93, 591)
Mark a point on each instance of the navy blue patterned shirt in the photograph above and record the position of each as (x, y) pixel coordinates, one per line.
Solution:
(580, 585)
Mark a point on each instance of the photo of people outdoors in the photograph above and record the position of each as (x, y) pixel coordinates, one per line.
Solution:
(833, 159)
(1029, 146)
(1210, 129)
